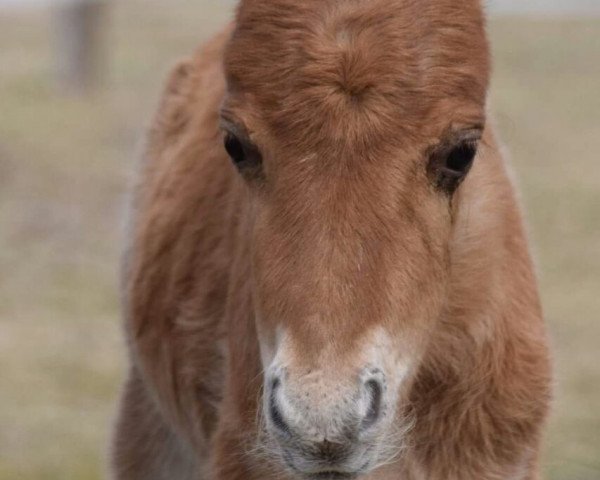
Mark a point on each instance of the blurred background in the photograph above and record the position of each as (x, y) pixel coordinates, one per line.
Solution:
(78, 84)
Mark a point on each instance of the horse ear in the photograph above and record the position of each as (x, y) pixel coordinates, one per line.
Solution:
(173, 112)
(484, 7)
(178, 76)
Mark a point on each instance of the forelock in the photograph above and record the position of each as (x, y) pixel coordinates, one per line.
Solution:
(352, 71)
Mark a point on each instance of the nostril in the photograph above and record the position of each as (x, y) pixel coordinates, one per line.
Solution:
(274, 411)
(275, 382)
(375, 392)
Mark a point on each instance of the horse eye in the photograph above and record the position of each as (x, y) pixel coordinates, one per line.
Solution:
(460, 158)
(235, 149)
(449, 167)
(244, 155)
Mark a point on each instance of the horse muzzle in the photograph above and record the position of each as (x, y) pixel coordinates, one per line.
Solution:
(327, 429)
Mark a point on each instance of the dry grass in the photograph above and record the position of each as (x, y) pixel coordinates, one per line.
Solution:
(64, 164)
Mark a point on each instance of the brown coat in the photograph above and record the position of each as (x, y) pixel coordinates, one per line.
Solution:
(479, 388)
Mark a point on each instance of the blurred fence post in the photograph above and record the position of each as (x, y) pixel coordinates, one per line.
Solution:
(80, 43)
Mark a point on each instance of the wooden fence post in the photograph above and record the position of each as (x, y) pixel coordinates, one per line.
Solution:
(80, 43)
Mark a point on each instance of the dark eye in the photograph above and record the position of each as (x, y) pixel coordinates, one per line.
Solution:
(450, 165)
(234, 149)
(461, 158)
(243, 154)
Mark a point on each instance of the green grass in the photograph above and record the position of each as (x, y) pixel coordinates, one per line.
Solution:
(65, 164)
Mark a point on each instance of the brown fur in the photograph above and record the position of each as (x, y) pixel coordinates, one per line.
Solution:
(342, 224)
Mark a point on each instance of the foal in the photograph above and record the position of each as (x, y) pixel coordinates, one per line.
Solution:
(327, 275)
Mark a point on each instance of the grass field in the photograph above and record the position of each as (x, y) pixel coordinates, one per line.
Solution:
(64, 167)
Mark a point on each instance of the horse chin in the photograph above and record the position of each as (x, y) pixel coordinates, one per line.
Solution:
(331, 475)
(363, 457)
(327, 472)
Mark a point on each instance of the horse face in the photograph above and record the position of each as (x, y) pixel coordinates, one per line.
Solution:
(352, 142)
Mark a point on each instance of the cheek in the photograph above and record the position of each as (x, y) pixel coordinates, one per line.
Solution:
(418, 292)
(266, 273)
(269, 341)
(283, 276)
(274, 299)
(268, 325)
